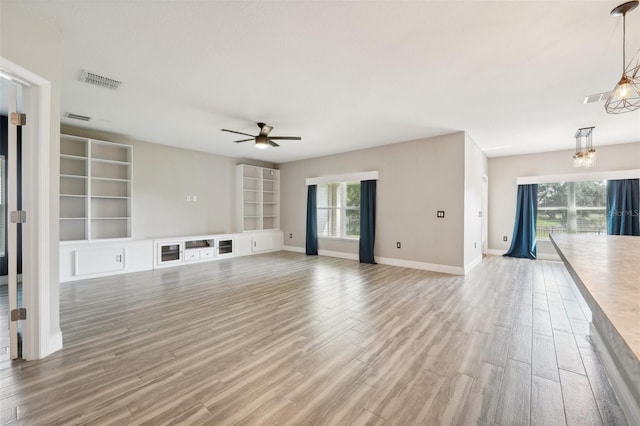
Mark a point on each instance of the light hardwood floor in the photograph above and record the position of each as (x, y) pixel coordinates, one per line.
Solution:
(283, 338)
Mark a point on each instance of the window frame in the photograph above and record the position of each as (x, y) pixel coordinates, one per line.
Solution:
(342, 208)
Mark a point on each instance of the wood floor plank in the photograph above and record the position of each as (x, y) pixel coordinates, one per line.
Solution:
(579, 403)
(515, 394)
(284, 338)
(547, 407)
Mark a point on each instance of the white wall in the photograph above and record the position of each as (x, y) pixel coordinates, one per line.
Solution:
(417, 178)
(503, 172)
(475, 166)
(163, 176)
(33, 44)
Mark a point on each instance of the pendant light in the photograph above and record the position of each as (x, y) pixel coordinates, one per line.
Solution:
(585, 157)
(625, 97)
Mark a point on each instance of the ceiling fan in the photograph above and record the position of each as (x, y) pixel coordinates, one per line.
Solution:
(263, 140)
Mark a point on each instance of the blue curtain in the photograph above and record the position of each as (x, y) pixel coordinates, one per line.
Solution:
(623, 207)
(367, 220)
(312, 221)
(523, 242)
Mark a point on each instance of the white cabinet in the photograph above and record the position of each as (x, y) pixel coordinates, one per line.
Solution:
(178, 251)
(95, 189)
(258, 198)
(261, 242)
(83, 260)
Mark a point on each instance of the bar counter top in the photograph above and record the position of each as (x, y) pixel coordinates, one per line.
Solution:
(608, 268)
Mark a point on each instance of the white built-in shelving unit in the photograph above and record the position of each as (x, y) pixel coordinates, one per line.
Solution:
(95, 189)
(258, 198)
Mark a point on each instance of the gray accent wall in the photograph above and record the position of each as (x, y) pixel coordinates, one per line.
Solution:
(503, 172)
(163, 176)
(417, 178)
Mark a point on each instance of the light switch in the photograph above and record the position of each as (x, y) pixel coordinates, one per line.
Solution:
(188, 197)
(195, 198)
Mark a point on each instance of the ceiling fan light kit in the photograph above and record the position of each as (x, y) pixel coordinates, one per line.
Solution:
(625, 96)
(263, 140)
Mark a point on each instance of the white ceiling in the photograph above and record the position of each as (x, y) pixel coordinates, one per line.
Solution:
(345, 75)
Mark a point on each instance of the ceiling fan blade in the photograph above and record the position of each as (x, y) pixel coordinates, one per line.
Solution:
(244, 140)
(272, 143)
(287, 138)
(240, 133)
(264, 129)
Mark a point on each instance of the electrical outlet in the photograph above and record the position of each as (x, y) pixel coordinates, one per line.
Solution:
(440, 213)
(188, 197)
(195, 198)
(504, 238)
(290, 235)
(398, 245)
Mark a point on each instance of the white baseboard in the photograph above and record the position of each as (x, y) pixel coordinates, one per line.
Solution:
(475, 262)
(625, 398)
(340, 254)
(434, 267)
(446, 269)
(539, 256)
(494, 252)
(294, 248)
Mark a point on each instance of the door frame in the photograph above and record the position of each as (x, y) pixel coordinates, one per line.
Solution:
(39, 339)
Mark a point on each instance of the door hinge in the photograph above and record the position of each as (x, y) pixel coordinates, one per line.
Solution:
(19, 314)
(18, 119)
(18, 216)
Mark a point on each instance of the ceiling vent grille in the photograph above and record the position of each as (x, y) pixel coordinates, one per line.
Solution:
(99, 80)
(598, 97)
(77, 116)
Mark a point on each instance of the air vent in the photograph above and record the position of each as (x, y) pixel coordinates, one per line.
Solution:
(598, 97)
(100, 80)
(77, 116)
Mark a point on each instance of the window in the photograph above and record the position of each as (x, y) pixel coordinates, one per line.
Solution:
(339, 210)
(572, 208)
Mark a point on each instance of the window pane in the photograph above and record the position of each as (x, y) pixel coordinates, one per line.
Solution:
(591, 221)
(551, 220)
(571, 207)
(552, 194)
(591, 194)
(353, 223)
(328, 195)
(353, 194)
(328, 222)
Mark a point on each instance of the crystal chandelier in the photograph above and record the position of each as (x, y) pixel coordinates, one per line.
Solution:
(584, 157)
(625, 97)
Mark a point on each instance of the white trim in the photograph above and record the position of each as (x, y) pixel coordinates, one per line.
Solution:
(494, 252)
(294, 249)
(38, 338)
(446, 269)
(625, 397)
(350, 177)
(434, 267)
(580, 177)
(475, 262)
(539, 256)
(340, 254)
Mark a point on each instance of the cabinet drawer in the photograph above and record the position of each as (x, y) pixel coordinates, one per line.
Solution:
(207, 254)
(191, 255)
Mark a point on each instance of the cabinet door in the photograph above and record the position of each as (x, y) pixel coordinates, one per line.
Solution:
(262, 242)
(98, 260)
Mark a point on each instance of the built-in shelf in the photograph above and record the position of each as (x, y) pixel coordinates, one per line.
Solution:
(258, 198)
(95, 189)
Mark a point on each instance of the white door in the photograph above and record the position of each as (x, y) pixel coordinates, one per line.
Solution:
(13, 219)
